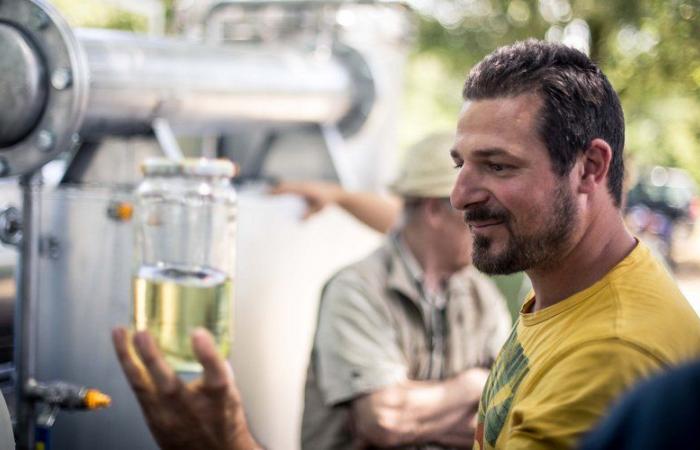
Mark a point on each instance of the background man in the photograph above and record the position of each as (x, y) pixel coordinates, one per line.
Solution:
(405, 336)
(539, 148)
(381, 212)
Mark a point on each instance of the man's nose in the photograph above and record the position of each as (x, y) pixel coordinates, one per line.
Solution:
(467, 190)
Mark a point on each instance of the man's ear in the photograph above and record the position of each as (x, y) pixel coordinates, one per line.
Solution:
(595, 164)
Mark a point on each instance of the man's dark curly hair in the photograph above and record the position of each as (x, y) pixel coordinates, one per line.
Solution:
(579, 104)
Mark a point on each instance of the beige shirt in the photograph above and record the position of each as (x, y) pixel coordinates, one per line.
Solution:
(376, 328)
(7, 439)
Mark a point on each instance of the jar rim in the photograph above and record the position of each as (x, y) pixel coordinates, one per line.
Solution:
(207, 167)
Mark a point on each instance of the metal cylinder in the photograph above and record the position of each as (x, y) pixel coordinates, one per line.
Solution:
(96, 82)
(135, 79)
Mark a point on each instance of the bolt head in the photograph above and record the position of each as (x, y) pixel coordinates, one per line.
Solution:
(45, 140)
(61, 79)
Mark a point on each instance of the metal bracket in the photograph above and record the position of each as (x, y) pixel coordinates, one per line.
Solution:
(47, 417)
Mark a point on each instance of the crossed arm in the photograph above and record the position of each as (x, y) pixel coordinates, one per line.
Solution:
(421, 412)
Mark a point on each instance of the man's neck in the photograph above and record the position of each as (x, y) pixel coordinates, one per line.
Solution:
(434, 272)
(602, 246)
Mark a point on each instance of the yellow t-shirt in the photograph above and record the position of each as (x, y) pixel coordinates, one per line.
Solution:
(562, 366)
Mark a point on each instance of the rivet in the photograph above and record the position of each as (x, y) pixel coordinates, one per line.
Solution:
(61, 79)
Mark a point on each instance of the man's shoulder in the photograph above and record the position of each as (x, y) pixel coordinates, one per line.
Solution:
(637, 303)
(373, 269)
(652, 312)
(365, 279)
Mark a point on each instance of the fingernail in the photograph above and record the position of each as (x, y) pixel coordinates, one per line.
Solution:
(118, 333)
(199, 332)
(141, 339)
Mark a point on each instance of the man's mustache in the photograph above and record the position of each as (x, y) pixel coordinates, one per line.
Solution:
(483, 213)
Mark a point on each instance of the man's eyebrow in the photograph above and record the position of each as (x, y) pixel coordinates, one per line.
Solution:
(486, 153)
(495, 151)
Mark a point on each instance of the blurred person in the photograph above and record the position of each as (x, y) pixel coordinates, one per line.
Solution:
(539, 156)
(662, 412)
(660, 205)
(405, 336)
(381, 212)
(539, 150)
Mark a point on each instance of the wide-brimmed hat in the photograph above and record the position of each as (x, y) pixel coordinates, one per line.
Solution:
(427, 169)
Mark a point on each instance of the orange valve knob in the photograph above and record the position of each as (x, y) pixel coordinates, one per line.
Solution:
(120, 211)
(95, 399)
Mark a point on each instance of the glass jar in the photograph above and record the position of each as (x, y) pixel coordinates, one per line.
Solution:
(185, 255)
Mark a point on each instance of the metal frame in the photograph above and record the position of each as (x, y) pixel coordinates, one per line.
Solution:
(25, 311)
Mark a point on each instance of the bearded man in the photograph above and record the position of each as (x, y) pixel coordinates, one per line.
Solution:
(539, 150)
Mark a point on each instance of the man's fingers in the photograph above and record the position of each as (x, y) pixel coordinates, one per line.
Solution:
(217, 373)
(133, 369)
(163, 376)
(312, 207)
(286, 187)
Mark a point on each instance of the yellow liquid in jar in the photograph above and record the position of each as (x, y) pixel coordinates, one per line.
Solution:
(170, 302)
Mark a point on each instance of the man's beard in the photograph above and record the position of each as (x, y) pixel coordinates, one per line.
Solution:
(542, 249)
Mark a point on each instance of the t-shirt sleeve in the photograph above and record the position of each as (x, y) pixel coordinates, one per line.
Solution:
(356, 347)
(563, 402)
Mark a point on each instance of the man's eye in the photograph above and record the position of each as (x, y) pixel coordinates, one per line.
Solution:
(497, 167)
(458, 165)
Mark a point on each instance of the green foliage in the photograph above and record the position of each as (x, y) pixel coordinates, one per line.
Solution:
(650, 50)
(99, 14)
